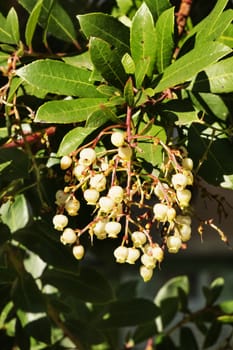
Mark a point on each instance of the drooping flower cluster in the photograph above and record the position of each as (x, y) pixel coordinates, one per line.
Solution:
(149, 213)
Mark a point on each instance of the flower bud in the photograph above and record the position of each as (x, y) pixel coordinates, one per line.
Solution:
(185, 232)
(157, 253)
(113, 228)
(60, 221)
(146, 273)
(187, 163)
(61, 197)
(183, 197)
(125, 152)
(87, 156)
(116, 193)
(179, 181)
(98, 182)
(148, 261)
(138, 238)
(121, 254)
(118, 138)
(106, 204)
(68, 236)
(160, 190)
(91, 195)
(79, 171)
(65, 162)
(133, 255)
(160, 212)
(78, 251)
(173, 244)
(72, 206)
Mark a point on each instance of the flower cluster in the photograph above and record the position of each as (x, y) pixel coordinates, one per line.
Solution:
(150, 214)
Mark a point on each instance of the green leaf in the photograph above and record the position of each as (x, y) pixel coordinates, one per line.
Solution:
(218, 161)
(58, 78)
(32, 22)
(214, 22)
(42, 240)
(19, 164)
(100, 117)
(187, 339)
(214, 290)
(227, 36)
(12, 25)
(142, 43)
(169, 308)
(26, 294)
(144, 332)
(9, 29)
(129, 92)
(225, 319)
(213, 334)
(157, 7)
(227, 306)
(88, 285)
(107, 28)
(164, 43)
(54, 19)
(211, 104)
(68, 111)
(186, 67)
(5, 165)
(73, 139)
(217, 79)
(15, 214)
(171, 288)
(82, 60)
(107, 61)
(182, 112)
(126, 313)
(39, 329)
(3, 56)
(128, 64)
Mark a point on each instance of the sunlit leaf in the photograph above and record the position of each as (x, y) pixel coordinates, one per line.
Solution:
(157, 7)
(32, 22)
(187, 66)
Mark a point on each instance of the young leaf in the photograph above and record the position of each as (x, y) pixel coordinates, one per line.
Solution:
(73, 139)
(107, 28)
(129, 93)
(128, 64)
(217, 78)
(54, 19)
(157, 7)
(58, 78)
(142, 43)
(68, 111)
(213, 292)
(164, 43)
(190, 64)
(107, 61)
(130, 312)
(12, 25)
(101, 116)
(32, 22)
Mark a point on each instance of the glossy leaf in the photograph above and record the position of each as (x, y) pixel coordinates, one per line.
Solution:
(53, 18)
(26, 294)
(12, 25)
(213, 292)
(5, 36)
(41, 239)
(32, 22)
(100, 117)
(68, 111)
(73, 139)
(212, 22)
(187, 339)
(129, 92)
(58, 78)
(170, 288)
(183, 113)
(130, 312)
(88, 285)
(164, 43)
(142, 43)
(186, 67)
(107, 61)
(157, 7)
(217, 79)
(82, 60)
(107, 28)
(227, 36)
(219, 155)
(212, 334)
(128, 63)
(15, 214)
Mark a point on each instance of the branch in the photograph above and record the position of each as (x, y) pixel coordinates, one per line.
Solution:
(182, 15)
